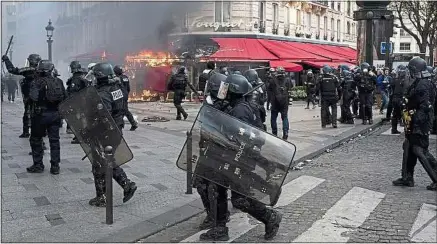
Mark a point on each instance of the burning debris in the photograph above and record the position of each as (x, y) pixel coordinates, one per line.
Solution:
(150, 59)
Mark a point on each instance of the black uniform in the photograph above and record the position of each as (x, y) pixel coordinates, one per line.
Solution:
(330, 91)
(349, 92)
(269, 80)
(29, 74)
(45, 94)
(178, 83)
(114, 104)
(124, 82)
(420, 99)
(310, 87)
(258, 97)
(3, 86)
(280, 98)
(398, 86)
(366, 85)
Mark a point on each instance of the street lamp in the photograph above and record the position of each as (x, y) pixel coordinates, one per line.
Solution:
(50, 29)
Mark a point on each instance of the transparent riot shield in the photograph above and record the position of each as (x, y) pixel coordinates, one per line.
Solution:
(94, 127)
(237, 156)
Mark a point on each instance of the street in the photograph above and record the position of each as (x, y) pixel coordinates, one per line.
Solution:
(342, 196)
(54, 208)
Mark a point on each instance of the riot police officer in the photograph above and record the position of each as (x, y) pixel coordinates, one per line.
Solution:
(89, 76)
(398, 85)
(419, 110)
(206, 74)
(434, 128)
(241, 109)
(280, 101)
(259, 96)
(74, 84)
(366, 82)
(124, 82)
(114, 104)
(356, 102)
(270, 74)
(29, 74)
(348, 94)
(310, 87)
(178, 83)
(45, 94)
(330, 93)
(224, 70)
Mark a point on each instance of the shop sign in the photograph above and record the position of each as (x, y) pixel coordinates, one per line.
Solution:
(217, 25)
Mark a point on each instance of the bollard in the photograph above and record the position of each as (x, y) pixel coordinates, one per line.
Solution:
(109, 198)
(189, 163)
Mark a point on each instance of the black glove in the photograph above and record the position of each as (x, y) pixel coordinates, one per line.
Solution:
(5, 58)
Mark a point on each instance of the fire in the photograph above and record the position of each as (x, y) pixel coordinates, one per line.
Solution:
(149, 58)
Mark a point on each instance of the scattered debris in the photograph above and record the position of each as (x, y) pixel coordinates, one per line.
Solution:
(328, 150)
(155, 119)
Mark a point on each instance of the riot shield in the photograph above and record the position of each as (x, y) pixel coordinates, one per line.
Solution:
(94, 127)
(237, 156)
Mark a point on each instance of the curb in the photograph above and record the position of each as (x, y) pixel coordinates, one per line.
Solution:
(173, 217)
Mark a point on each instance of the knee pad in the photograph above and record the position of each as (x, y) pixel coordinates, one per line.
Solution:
(240, 203)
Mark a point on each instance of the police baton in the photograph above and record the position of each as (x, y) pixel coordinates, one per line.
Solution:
(253, 89)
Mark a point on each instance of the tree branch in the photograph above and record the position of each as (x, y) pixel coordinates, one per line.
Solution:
(400, 9)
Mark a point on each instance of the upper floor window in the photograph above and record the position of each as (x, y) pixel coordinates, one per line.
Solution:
(332, 4)
(325, 23)
(287, 17)
(275, 15)
(404, 46)
(332, 24)
(298, 17)
(339, 6)
(308, 21)
(222, 11)
(348, 28)
(402, 32)
(318, 24)
(262, 10)
(349, 8)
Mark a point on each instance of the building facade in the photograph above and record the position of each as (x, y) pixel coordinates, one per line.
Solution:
(9, 23)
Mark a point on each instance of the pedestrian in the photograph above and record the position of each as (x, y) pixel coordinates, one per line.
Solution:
(112, 98)
(12, 85)
(45, 94)
(75, 83)
(178, 83)
(310, 87)
(418, 113)
(279, 89)
(29, 74)
(203, 78)
(366, 82)
(383, 86)
(124, 82)
(330, 93)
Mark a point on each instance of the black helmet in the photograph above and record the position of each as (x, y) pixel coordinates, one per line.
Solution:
(33, 59)
(75, 66)
(343, 67)
(430, 70)
(310, 73)
(236, 72)
(365, 66)
(251, 75)
(280, 70)
(181, 70)
(326, 69)
(210, 65)
(238, 84)
(214, 83)
(118, 70)
(103, 71)
(45, 66)
(55, 73)
(416, 66)
(224, 71)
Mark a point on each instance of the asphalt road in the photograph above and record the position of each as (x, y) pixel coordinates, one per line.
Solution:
(342, 196)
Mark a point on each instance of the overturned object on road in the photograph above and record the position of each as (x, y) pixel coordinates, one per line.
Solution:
(155, 119)
(94, 127)
(237, 156)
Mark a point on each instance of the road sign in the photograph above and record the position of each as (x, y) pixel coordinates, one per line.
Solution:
(383, 47)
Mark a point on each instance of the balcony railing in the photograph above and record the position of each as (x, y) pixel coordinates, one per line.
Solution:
(321, 2)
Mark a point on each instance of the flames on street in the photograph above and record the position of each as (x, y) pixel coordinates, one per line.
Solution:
(140, 62)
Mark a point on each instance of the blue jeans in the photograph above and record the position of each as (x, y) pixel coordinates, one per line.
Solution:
(284, 117)
(385, 98)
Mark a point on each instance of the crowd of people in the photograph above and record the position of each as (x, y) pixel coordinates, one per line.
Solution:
(43, 91)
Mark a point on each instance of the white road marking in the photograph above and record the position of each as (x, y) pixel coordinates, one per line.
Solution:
(349, 212)
(239, 224)
(424, 227)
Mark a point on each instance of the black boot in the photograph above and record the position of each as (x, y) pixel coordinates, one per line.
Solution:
(54, 169)
(407, 181)
(36, 168)
(134, 126)
(432, 187)
(129, 187)
(207, 223)
(272, 220)
(285, 136)
(219, 233)
(370, 121)
(100, 199)
(24, 135)
(75, 141)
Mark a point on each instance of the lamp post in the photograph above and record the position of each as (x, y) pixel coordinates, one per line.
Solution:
(50, 29)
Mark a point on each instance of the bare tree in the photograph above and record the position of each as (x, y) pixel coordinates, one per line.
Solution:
(423, 16)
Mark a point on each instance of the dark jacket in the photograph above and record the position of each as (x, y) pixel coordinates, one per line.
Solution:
(113, 99)
(421, 96)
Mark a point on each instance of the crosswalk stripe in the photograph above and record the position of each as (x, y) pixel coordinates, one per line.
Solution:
(239, 223)
(350, 211)
(425, 225)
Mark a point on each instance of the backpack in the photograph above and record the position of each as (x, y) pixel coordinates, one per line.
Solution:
(54, 90)
(280, 91)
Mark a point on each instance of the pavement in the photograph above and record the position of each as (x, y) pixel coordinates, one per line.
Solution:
(344, 196)
(54, 208)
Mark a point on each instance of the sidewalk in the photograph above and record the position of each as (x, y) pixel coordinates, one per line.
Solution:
(54, 208)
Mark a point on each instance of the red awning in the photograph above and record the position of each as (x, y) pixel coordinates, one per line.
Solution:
(317, 50)
(288, 66)
(339, 51)
(283, 50)
(331, 64)
(240, 49)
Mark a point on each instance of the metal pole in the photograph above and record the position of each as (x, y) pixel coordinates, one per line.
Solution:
(369, 41)
(387, 50)
(108, 182)
(189, 163)
(49, 43)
